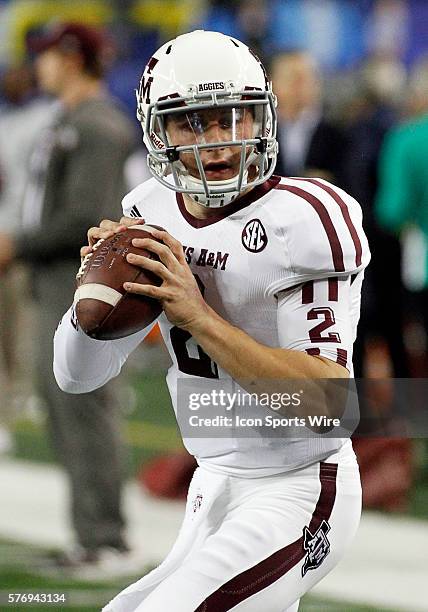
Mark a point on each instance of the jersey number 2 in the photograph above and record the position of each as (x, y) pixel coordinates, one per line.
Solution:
(329, 320)
(198, 363)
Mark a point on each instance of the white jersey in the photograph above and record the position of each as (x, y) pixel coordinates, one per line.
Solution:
(285, 265)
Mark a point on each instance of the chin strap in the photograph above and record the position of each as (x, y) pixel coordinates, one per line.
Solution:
(220, 199)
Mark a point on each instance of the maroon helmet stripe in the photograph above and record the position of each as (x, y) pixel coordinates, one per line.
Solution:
(320, 209)
(308, 292)
(345, 213)
(272, 568)
(151, 64)
(342, 357)
(168, 97)
(333, 289)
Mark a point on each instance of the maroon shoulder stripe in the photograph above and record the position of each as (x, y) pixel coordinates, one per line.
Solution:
(346, 216)
(318, 206)
(268, 571)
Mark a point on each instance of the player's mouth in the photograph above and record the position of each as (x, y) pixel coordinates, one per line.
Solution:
(217, 171)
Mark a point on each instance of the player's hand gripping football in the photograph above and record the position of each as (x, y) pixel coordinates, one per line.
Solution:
(179, 293)
(105, 230)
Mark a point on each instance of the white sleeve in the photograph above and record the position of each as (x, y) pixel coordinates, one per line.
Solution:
(318, 318)
(322, 231)
(82, 364)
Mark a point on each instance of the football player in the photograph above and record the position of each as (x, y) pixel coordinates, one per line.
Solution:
(261, 279)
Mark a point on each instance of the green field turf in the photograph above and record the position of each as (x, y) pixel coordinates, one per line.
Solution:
(26, 568)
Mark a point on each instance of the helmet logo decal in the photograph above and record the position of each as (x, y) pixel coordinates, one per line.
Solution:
(254, 237)
(145, 85)
(211, 86)
(145, 89)
(157, 142)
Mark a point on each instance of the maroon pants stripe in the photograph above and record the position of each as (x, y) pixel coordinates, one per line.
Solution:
(322, 212)
(275, 566)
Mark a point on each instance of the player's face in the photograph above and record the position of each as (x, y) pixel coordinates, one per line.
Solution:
(211, 126)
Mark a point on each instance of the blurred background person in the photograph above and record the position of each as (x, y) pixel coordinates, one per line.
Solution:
(248, 20)
(373, 109)
(309, 143)
(398, 219)
(402, 199)
(77, 178)
(22, 117)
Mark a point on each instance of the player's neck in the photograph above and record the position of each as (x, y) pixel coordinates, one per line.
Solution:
(197, 210)
(202, 212)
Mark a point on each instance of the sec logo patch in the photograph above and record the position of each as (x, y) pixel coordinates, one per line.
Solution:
(254, 237)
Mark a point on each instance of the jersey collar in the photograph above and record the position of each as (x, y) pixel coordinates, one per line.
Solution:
(250, 197)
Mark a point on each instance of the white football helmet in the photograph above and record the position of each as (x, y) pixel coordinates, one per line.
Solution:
(185, 80)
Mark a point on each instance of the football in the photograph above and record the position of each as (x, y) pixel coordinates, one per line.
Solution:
(104, 310)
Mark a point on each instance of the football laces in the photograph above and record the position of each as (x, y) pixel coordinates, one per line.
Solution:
(86, 259)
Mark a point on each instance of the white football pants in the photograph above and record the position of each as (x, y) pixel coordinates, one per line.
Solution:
(254, 544)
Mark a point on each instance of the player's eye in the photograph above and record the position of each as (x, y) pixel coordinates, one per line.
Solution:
(226, 122)
(183, 125)
(231, 118)
(196, 122)
(186, 126)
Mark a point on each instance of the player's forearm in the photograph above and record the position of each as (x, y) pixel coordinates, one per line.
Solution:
(82, 364)
(244, 358)
(261, 369)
